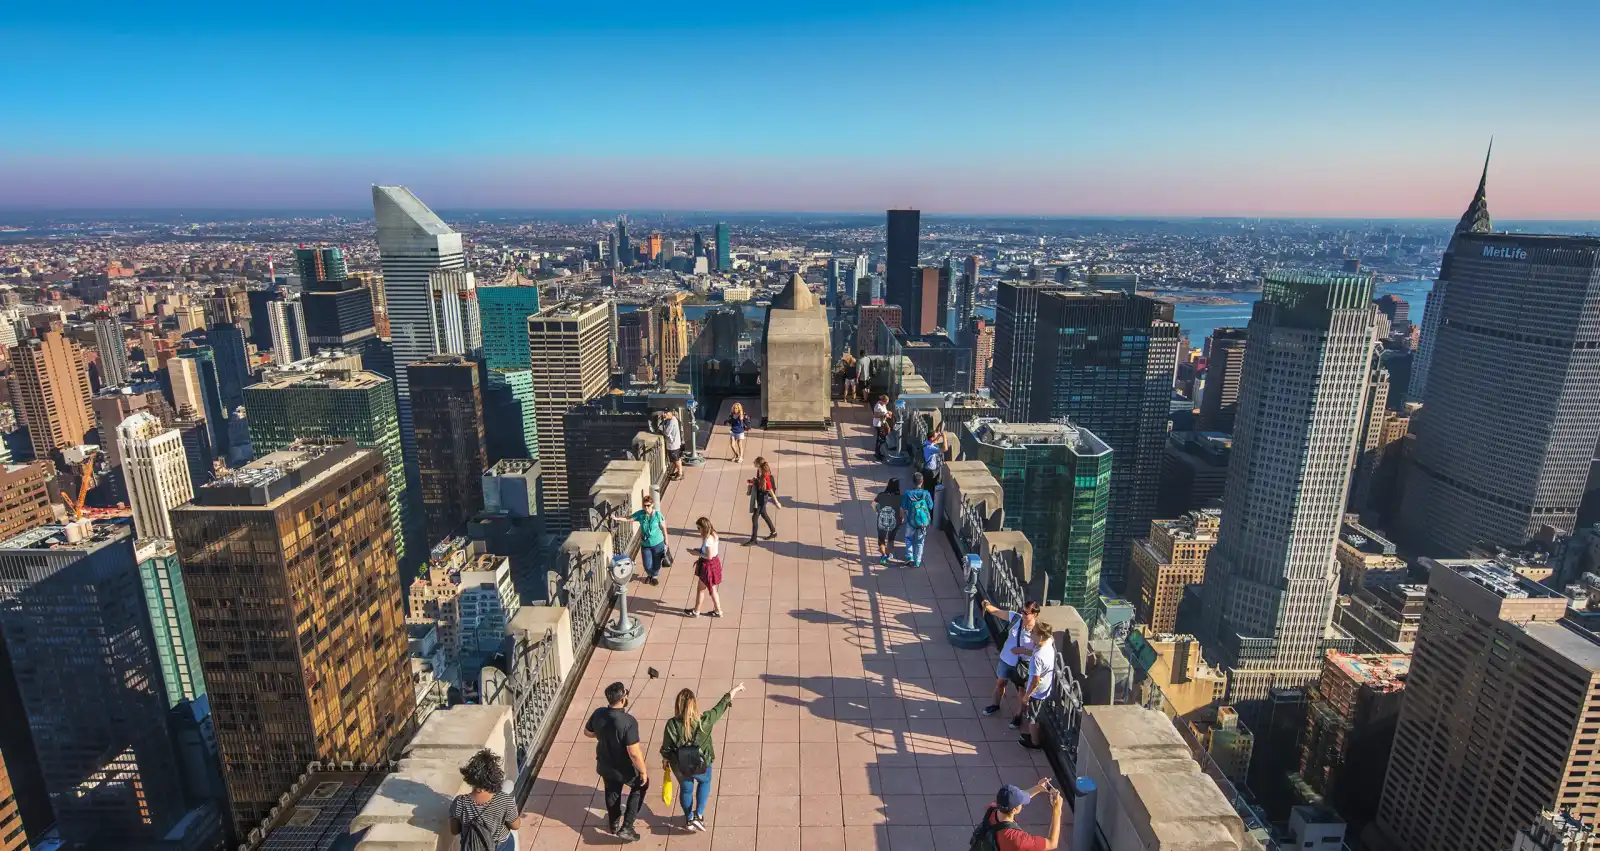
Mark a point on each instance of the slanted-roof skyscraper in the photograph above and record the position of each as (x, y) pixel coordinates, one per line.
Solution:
(413, 244)
(1272, 578)
(1510, 421)
(1474, 220)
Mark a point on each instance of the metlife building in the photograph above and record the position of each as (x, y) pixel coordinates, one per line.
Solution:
(1511, 417)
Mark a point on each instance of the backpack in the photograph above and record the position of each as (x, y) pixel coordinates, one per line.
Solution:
(888, 518)
(1023, 670)
(986, 836)
(920, 512)
(476, 835)
(691, 762)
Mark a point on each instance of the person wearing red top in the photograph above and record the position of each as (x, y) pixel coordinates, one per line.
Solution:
(1000, 820)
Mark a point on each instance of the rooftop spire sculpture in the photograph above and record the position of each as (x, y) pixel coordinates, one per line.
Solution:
(1476, 218)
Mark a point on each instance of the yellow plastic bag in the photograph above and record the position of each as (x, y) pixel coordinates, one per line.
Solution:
(666, 786)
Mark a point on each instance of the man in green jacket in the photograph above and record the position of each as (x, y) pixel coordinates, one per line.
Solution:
(687, 751)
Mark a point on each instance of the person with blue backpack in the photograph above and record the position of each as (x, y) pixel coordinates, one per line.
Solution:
(687, 751)
(916, 511)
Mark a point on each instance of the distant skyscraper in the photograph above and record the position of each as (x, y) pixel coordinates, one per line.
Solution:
(901, 275)
(337, 403)
(13, 835)
(570, 346)
(1272, 578)
(290, 342)
(227, 341)
(636, 344)
(298, 697)
(967, 296)
(1057, 481)
(209, 385)
(113, 349)
(1105, 361)
(85, 666)
(699, 245)
(724, 248)
(510, 425)
(1219, 403)
(1495, 723)
(157, 472)
(338, 309)
(53, 395)
(447, 412)
(1509, 427)
(260, 329)
(1015, 335)
(922, 315)
(504, 310)
(982, 335)
(623, 245)
(413, 243)
(1397, 311)
(947, 297)
(674, 338)
(835, 281)
(24, 496)
(456, 313)
(597, 433)
(319, 266)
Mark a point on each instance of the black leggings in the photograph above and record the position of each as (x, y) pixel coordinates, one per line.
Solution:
(759, 514)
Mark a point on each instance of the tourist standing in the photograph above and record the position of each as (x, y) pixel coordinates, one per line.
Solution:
(999, 828)
(882, 423)
(619, 760)
(763, 492)
(932, 460)
(485, 818)
(888, 504)
(688, 752)
(707, 569)
(653, 539)
(738, 426)
(1018, 646)
(672, 431)
(851, 375)
(916, 511)
(1041, 681)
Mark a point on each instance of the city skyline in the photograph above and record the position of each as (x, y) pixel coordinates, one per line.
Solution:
(1160, 110)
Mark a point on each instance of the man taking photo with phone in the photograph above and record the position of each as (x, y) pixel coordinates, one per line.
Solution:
(999, 830)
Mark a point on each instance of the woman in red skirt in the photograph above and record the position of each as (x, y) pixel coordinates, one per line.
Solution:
(708, 569)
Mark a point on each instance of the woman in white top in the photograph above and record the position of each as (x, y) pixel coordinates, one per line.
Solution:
(708, 569)
(1041, 681)
(1017, 647)
(882, 422)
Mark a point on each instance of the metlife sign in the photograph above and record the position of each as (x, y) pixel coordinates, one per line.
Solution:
(1504, 252)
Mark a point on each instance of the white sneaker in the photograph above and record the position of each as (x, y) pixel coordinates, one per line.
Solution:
(697, 824)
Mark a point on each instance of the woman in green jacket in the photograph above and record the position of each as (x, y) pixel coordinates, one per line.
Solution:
(687, 751)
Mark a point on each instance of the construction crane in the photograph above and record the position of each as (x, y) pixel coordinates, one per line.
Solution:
(83, 457)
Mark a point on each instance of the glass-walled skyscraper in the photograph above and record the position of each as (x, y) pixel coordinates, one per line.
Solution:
(1057, 484)
(504, 310)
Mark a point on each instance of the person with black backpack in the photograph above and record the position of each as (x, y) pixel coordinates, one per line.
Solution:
(888, 504)
(999, 831)
(1015, 656)
(486, 818)
(687, 751)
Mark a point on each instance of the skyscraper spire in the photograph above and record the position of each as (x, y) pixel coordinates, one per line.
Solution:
(1476, 218)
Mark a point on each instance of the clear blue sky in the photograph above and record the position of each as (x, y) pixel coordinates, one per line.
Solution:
(1353, 108)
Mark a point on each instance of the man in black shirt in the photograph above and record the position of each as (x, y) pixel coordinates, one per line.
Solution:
(619, 760)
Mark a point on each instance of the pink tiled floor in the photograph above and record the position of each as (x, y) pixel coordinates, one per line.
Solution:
(859, 726)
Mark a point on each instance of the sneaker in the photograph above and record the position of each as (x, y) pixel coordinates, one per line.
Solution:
(991, 709)
(772, 535)
(653, 581)
(712, 614)
(698, 824)
(611, 828)
(688, 824)
(1016, 723)
(628, 834)
(883, 560)
(690, 613)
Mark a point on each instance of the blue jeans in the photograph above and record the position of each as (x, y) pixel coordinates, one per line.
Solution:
(694, 792)
(916, 536)
(509, 843)
(653, 556)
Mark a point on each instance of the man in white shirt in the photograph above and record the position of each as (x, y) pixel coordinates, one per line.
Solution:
(882, 421)
(672, 430)
(1041, 681)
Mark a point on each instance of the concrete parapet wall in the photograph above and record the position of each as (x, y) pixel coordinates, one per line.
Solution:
(411, 809)
(969, 483)
(998, 545)
(535, 620)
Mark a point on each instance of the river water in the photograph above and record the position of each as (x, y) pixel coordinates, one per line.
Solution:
(1198, 320)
